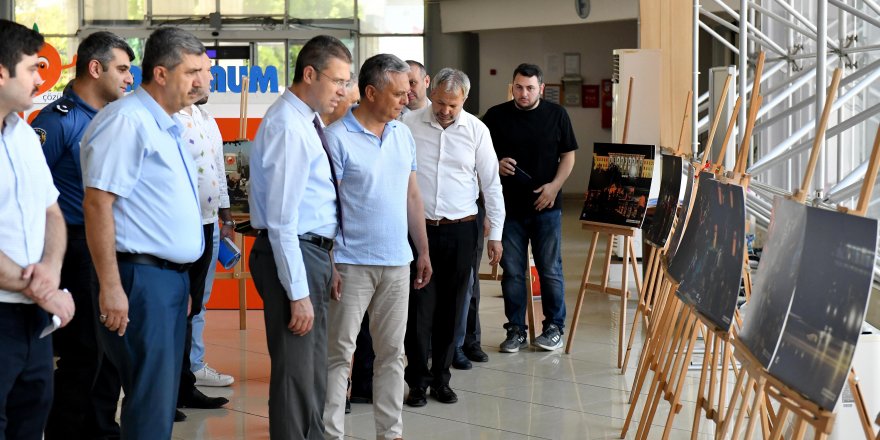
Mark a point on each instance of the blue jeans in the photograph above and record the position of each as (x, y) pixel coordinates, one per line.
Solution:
(544, 230)
(197, 352)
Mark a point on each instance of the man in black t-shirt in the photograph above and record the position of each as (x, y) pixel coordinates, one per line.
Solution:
(535, 145)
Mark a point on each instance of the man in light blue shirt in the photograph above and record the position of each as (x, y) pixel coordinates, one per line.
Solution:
(143, 227)
(294, 207)
(32, 242)
(375, 159)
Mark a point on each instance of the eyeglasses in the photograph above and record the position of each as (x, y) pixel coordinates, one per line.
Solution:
(341, 83)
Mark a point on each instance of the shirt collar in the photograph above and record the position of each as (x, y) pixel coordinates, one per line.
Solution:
(68, 91)
(301, 106)
(165, 121)
(353, 125)
(427, 116)
(10, 122)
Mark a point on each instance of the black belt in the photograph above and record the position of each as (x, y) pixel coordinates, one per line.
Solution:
(315, 239)
(150, 260)
(446, 221)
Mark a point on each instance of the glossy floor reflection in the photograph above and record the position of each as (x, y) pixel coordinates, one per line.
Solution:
(528, 395)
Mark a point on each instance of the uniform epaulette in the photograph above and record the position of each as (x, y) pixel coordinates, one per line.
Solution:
(63, 107)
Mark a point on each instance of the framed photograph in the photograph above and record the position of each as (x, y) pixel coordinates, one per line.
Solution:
(553, 93)
(620, 180)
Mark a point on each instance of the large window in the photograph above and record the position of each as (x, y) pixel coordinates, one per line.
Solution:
(376, 26)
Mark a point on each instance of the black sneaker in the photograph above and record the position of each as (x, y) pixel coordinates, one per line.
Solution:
(516, 339)
(551, 339)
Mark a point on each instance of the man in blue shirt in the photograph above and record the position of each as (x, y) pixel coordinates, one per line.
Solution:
(86, 384)
(143, 226)
(31, 246)
(375, 160)
(294, 207)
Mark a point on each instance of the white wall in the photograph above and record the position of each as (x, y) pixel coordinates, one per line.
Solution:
(503, 50)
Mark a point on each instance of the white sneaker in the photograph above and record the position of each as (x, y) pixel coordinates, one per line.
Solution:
(209, 377)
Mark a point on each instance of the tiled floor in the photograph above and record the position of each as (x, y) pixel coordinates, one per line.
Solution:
(527, 395)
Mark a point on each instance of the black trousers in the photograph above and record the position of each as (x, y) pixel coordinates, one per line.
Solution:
(86, 383)
(473, 333)
(432, 310)
(26, 372)
(198, 272)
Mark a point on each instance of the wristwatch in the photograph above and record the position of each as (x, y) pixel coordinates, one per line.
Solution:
(229, 223)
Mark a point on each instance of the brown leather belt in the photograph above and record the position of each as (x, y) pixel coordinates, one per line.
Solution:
(446, 221)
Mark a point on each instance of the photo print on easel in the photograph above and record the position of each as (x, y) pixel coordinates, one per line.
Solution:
(667, 201)
(236, 158)
(834, 276)
(713, 251)
(681, 226)
(620, 181)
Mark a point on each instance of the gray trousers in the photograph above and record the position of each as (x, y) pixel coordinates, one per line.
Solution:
(298, 380)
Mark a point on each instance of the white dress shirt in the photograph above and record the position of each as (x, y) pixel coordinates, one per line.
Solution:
(453, 165)
(291, 190)
(26, 185)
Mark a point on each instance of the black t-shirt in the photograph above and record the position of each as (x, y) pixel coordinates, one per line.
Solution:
(535, 139)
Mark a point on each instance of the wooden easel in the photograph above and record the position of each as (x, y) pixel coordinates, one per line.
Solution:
(655, 255)
(670, 354)
(625, 233)
(239, 271)
(790, 402)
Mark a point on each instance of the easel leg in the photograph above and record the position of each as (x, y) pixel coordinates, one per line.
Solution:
(607, 267)
(242, 285)
(676, 398)
(583, 290)
(741, 415)
(530, 299)
(624, 296)
(641, 308)
(702, 401)
(852, 380)
(800, 428)
(776, 433)
(757, 407)
(733, 398)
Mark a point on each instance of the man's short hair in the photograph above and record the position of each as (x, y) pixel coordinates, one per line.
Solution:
(529, 70)
(99, 46)
(166, 47)
(418, 65)
(317, 53)
(375, 71)
(18, 41)
(451, 80)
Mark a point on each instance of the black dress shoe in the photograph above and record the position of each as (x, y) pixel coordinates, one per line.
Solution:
(347, 406)
(460, 361)
(179, 416)
(444, 394)
(199, 400)
(475, 353)
(416, 397)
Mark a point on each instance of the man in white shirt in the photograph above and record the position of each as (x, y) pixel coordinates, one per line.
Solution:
(32, 243)
(456, 160)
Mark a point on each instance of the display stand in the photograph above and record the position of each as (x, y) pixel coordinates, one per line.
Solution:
(670, 354)
(239, 271)
(611, 231)
(790, 402)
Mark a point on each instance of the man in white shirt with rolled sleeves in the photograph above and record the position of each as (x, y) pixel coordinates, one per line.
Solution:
(455, 160)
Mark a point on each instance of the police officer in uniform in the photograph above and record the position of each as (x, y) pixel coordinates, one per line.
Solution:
(86, 383)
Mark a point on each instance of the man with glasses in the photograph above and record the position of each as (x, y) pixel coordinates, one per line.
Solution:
(295, 209)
